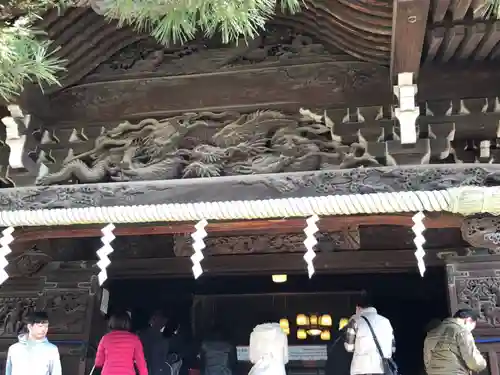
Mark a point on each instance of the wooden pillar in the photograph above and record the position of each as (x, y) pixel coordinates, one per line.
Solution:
(474, 282)
(69, 293)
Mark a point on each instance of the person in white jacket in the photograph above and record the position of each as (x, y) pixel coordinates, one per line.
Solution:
(268, 351)
(34, 354)
(359, 340)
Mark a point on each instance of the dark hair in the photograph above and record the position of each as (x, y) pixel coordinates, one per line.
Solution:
(37, 317)
(120, 322)
(364, 301)
(218, 332)
(466, 314)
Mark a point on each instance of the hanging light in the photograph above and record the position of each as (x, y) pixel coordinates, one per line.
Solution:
(287, 331)
(302, 320)
(342, 323)
(284, 324)
(280, 278)
(314, 329)
(325, 320)
(301, 334)
(313, 320)
(325, 335)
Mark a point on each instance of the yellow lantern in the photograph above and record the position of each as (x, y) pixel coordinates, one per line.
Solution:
(284, 324)
(325, 320)
(342, 323)
(287, 331)
(301, 334)
(302, 320)
(313, 320)
(325, 335)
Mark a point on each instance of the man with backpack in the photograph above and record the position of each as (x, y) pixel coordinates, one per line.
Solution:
(370, 337)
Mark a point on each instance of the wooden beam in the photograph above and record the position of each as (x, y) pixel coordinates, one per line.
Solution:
(313, 85)
(330, 262)
(326, 224)
(336, 85)
(409, 23)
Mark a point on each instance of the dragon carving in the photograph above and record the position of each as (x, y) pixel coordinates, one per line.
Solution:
(210, 144)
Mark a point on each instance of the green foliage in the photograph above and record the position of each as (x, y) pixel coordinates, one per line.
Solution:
(24, 58)
(24, 54)
(490, 9)
(177, 21)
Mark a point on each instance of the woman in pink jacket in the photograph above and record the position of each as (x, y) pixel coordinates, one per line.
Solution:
(120, 351)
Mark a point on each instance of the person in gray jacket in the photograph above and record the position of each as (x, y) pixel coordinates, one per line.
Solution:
(34, 354)
(218, 355)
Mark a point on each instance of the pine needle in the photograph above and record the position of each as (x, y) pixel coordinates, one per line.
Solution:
(491, 9)
(177, 21)
(25, 55)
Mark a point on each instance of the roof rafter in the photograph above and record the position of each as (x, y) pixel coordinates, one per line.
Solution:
(408, 31)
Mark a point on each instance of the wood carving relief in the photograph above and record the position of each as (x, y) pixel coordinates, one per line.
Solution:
(482, 295)
(13, 312)
(346, 240)
(210, 144)
(483, 233)
(29, 263)
(276, 46)
(67, 311)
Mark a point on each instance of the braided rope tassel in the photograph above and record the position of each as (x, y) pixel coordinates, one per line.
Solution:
(5, 250)
(310, 230)
(104, 251)
(198, 245)
(419, 240)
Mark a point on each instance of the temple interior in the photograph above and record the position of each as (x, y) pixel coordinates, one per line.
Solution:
(240, 302)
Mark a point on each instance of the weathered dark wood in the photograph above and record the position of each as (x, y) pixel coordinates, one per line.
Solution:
(476, 284)
(291, 87)
(320, 85)
(439, 9)
(460, 8)
(252, 187)
(336, 262)
(409, 21)
(329, 224)
(455, 43)
(483, 234)
(458, 81)
(71, 297)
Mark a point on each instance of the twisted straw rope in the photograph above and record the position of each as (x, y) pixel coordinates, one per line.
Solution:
(466, 200)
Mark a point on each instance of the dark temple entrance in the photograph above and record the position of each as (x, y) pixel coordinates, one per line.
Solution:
(408, 300)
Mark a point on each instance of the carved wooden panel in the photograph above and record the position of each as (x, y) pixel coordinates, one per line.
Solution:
(476, 285)
(346, 240)
(69, 297)
(207, 144)
(68, 311)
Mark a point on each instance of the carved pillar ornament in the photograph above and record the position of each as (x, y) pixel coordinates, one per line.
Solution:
(407, 112)
(483, 233)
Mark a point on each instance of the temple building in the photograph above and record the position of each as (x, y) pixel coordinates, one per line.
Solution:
(351, 148)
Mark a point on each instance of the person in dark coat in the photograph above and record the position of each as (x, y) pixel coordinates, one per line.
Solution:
(156, 345)
(217, 354)
(338, 360)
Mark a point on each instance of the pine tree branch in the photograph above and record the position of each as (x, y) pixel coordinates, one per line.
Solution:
(25, 55)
